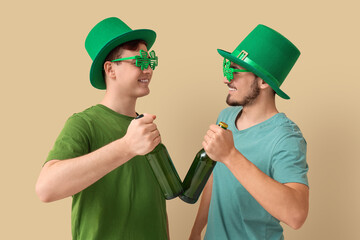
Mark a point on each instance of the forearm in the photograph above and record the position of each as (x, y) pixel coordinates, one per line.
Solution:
(286, 202)
(62, 178)
(203, 212)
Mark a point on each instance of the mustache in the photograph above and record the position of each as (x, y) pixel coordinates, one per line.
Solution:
(230, 85)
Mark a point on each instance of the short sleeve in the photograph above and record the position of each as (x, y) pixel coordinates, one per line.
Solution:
(289, 160)
(73, 140)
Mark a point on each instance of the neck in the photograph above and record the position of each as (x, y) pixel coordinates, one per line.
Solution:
(260, 110)
(122, 105)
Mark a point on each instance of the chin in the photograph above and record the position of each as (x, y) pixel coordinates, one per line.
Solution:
(144, 93)
(231, 102)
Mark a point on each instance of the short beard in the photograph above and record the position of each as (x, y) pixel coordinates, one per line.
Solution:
(249, 99)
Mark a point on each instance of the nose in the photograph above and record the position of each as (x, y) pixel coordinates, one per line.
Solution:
(226, 81)
(148, 70)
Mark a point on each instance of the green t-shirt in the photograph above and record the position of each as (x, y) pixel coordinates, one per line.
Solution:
(127, 203)
(278, 148)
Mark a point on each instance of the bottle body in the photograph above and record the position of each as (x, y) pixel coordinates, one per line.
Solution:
(197, 176)
(165, 172)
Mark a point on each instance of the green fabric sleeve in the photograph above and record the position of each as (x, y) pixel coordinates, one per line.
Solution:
(73, 140)
(289, 160)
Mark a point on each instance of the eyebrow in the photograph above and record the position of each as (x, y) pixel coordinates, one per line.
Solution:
(234, 66)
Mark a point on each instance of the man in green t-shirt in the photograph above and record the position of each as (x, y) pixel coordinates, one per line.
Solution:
(98, 158)
(260, 178)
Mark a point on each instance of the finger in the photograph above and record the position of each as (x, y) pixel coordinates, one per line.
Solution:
(155, 134)
(150, 127)
(154, 143)
(157, 140)
(153, 127)
(210, 133)
(149, 117)
(207, 139)
(215, 128)
(204, 144)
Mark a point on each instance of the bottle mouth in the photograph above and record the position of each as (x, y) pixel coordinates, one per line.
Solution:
(223, 125)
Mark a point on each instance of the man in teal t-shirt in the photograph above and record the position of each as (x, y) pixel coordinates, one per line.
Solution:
(98, 158)
(260, 179)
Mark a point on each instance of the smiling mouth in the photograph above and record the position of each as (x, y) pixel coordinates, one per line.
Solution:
(143, 80)
(231, 88)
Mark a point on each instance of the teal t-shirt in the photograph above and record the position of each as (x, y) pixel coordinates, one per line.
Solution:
(127, 203)
(277, 147)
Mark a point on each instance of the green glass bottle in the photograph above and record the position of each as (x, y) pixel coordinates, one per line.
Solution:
(198, 174)
(164, 170)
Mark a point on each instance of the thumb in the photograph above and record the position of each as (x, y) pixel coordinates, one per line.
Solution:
(149, 117)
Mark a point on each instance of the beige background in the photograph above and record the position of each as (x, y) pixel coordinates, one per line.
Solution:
(44, 76)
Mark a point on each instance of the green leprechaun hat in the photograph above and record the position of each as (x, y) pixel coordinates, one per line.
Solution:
(267, 54)
(104, 37)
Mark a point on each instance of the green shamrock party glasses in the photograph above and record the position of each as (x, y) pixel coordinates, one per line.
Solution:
(144, 60)
(229, 71)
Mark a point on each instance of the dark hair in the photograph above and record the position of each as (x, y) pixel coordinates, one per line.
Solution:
(117, 51)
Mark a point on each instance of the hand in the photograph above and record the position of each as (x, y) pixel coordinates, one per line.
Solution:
(142, 135)
(218, 143)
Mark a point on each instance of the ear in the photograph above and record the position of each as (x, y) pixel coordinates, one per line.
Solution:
(263, 84)
(109, 70)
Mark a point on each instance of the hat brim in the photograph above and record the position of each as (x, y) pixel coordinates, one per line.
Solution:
(268, 79)
(96, 71)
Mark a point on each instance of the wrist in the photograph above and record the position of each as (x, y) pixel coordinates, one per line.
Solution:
(123, 148)
(233, 154)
